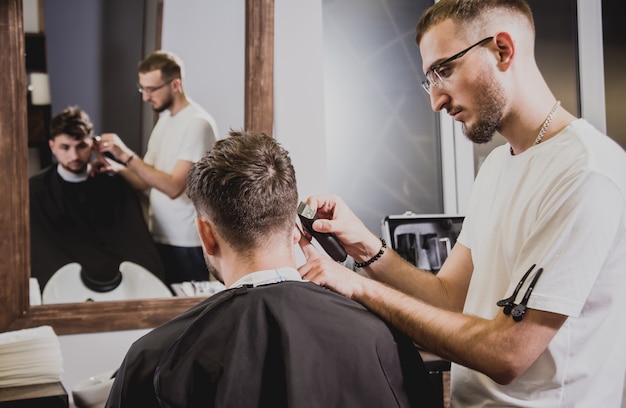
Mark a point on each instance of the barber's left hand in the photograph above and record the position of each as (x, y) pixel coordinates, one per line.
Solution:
(326, 272)
(105, 165)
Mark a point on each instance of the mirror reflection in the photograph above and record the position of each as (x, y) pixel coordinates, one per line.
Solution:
(75, 58)
(89, 239)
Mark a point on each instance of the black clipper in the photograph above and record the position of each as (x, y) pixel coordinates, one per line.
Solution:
(328, 241)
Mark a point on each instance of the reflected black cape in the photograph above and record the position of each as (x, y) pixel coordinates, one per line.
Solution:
(97, 223)
(290, 344)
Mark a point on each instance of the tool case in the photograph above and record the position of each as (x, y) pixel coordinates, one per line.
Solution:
(425, 240)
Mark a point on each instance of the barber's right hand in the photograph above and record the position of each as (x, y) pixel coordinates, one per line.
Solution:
(112, 143)
(338, 219)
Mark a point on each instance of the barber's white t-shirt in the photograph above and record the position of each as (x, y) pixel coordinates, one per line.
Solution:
(561, 205)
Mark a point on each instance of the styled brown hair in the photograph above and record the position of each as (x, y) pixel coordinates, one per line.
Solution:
(73, 121)
(470, 13)
(246, 185)
(170, 65)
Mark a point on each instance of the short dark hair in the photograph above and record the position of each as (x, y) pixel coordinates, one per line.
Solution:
(465, 12)
(73, 121)
(170, 65)
(246, 185)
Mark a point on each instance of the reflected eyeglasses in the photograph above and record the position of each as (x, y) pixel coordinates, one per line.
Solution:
(433, 77)
(151, 89)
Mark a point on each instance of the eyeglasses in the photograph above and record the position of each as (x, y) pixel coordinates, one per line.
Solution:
(151, 89)
(433, 76)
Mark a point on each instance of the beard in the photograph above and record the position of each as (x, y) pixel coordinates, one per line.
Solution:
(76, 170)
(212, 270)
(164, 106)
(490, 100)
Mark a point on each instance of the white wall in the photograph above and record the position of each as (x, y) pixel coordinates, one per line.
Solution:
(85, 355)
(299, 90)
(209, 37)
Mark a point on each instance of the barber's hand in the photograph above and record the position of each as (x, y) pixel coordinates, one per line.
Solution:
(105, 165)
(325, 272)
(337, 218)
(99, 165)
(111, 142)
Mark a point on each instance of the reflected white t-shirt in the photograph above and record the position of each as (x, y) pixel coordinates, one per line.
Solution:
(188, 135)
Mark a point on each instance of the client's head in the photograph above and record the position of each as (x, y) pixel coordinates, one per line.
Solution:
(71, 139)
(245, 190)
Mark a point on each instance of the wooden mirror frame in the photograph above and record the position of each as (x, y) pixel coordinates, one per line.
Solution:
(91, 317)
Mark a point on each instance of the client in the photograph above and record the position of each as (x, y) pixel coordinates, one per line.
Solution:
(95, 221)
(270, 339)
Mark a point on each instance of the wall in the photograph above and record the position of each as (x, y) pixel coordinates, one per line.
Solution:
(299, 122)
(86, 355)
(209, 37)
(92, 63)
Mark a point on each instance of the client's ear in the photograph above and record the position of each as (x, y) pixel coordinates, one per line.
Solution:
(205, 231)
(296, 234)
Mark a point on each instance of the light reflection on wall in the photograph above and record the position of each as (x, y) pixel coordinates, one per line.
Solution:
(382, 139)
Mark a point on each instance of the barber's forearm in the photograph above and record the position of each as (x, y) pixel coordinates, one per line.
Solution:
(394, 271)
(427, 325)
(468, 340)
(134, 180)
(153, 178)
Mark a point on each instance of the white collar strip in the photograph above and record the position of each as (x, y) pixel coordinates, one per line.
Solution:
(73, 177)
(268, 277)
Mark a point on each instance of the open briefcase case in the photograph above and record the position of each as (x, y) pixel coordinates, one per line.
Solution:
(423, 240)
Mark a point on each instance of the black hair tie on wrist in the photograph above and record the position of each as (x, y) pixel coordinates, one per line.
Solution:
(374, 258)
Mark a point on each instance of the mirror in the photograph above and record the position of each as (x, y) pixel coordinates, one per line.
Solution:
(14, 217)
(104, 85)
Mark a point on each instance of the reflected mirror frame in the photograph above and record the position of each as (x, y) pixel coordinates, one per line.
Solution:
(91, 317)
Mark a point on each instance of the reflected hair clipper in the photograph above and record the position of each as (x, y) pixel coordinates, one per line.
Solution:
(328, 241)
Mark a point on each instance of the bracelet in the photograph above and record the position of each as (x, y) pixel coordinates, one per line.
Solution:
(374, 258)
(129, 159)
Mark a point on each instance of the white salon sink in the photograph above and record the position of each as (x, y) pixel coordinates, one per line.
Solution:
(66, 286)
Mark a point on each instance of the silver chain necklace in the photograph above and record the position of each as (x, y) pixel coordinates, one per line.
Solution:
(546, 123)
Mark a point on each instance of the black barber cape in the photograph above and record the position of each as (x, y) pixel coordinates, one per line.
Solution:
(289, 344)
(97, 223)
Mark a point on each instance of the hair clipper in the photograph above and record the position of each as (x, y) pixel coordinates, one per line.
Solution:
(328, 241)
(96, 139)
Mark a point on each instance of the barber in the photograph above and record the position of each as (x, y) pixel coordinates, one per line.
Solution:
(552, 200)
(183, 133)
